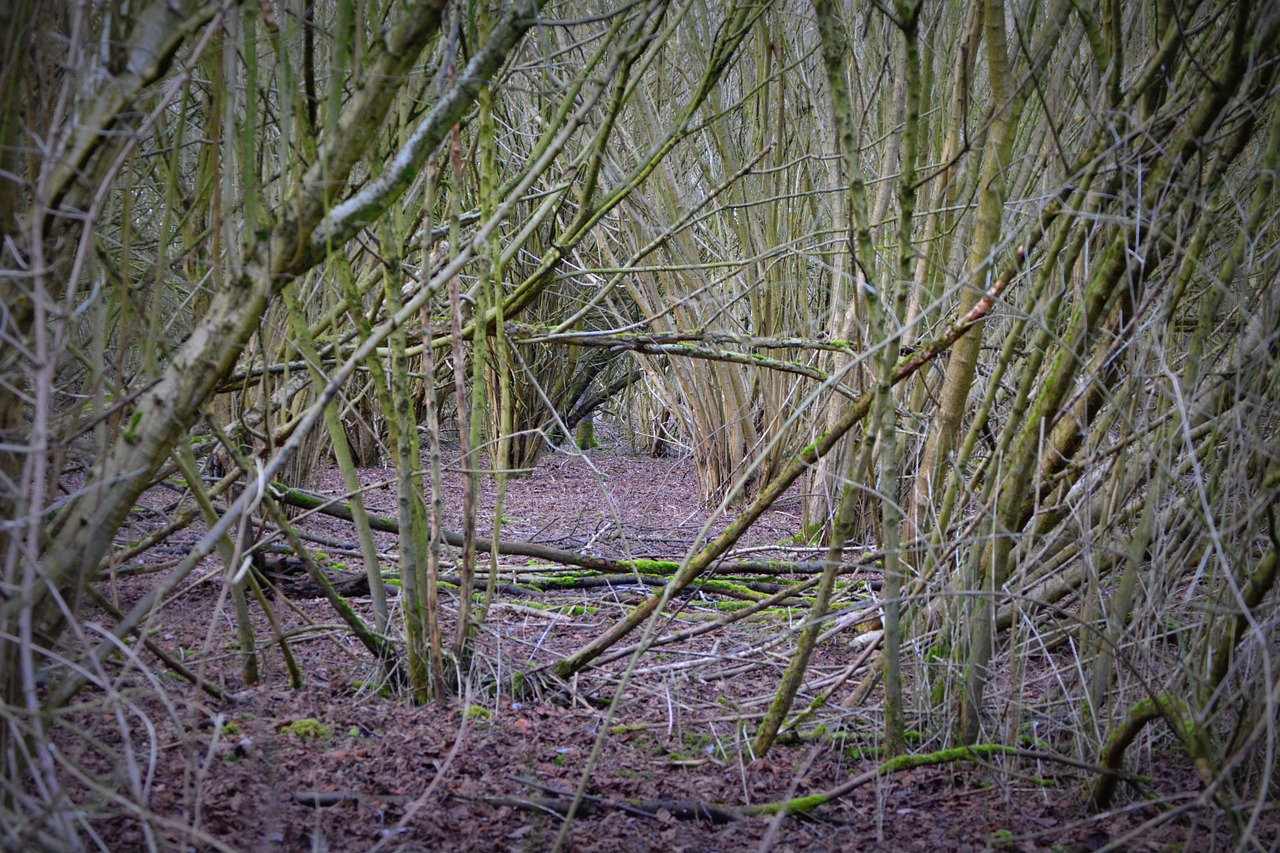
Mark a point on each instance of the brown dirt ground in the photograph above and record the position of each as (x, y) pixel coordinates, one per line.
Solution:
(483, 774)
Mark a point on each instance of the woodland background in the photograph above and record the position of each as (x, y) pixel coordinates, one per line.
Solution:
(992, 285)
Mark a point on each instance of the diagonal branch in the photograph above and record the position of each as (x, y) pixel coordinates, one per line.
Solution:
(803, 460)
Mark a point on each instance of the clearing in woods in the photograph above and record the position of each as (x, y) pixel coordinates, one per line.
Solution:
(338, 764)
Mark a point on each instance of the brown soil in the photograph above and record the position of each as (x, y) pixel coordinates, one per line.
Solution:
(490, 771)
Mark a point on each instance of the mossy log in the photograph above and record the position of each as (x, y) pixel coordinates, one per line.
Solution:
(337, 508)
(1177, 713)
(560, 801)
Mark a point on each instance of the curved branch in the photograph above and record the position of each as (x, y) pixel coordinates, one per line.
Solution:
(366, 205)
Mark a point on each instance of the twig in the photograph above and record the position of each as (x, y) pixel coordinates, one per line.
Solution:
(167, 659)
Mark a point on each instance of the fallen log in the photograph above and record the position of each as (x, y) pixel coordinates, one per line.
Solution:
(337, 508)
(560, 800)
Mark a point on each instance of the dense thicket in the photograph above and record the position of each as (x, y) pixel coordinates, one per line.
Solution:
(995, 282)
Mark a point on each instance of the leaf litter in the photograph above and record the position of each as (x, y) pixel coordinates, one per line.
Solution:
(492, 771)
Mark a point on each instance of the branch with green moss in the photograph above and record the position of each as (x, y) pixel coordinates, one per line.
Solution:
(1175, 710)
(1177, 713)
(560, 800)
(338, 508)
(743, 590)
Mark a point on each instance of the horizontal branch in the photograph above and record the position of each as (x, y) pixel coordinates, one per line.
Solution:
(337, 508)
(648, 345)
(559, 800)
(527, 333)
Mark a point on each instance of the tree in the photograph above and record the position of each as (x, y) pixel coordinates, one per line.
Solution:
(995, 282)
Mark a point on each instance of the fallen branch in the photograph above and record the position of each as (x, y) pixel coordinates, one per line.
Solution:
(174, 665)
(804, 805)
(354, 585)
(560, 800)
(326, 799)
(337, 508)
(746, 591)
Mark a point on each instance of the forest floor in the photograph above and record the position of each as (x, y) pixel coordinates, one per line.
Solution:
(337, 765)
